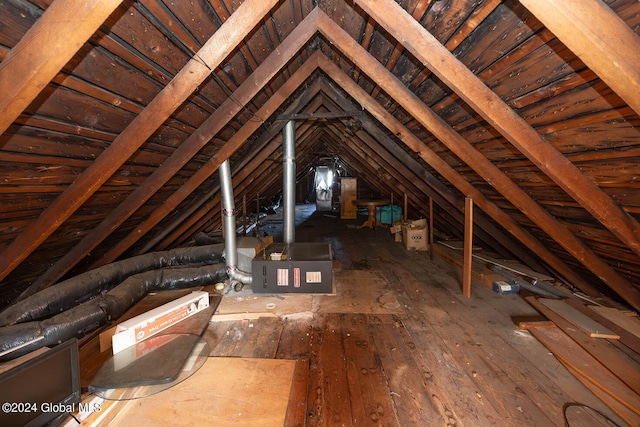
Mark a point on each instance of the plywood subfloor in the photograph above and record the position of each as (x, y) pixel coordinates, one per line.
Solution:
(225, 392)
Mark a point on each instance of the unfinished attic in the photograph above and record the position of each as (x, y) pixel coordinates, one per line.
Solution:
(324, 212)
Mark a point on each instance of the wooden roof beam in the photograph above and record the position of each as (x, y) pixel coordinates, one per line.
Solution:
(457, 76)
(479, 163)
(436, 162)
(598, 36)
(434, 188)
(212, 165)
(218, 47)
(514, 128)
(185, 151)
(42, 52)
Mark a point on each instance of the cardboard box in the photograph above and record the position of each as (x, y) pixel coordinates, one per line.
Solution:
(414, 235)
(396, 231)
(141, 327)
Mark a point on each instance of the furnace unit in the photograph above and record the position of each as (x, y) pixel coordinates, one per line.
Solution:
(293, 267)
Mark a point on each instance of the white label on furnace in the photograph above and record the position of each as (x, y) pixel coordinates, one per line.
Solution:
(282, 277)
(314, 277)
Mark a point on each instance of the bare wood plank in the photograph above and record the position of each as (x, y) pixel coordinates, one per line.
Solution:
(598, 37)
(630, 323)
(409, 393)
(468, 247)
(246, 338)
(626, 338)
(135, 134)
(370, 395)
(618, 408)
(464, 150)
(573, 355)
(297, 407)
(617, 364)
(588, 325)
(43, 51)
(328, 398)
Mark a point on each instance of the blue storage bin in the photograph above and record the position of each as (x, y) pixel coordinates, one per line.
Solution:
(383, 214)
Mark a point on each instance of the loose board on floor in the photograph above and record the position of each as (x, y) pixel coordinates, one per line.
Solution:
(225, 392)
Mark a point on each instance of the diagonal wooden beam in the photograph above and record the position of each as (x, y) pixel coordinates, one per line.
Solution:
(479, 163)
(42, 52)
(190, 147)
(435, 161)
(223, 41)
(435, 189)
(514, 128)
(204, 204)
(212, 165)
(511, 125)
(598, 36)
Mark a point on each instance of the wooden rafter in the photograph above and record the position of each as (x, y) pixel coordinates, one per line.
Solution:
(32, 64)
(444, 169)
(602, 40)
(187, 149)
(212, 165)
(477, 161)
(223, 41)
(525, 138)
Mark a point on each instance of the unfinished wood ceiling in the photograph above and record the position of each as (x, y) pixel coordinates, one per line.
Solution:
(115, 116)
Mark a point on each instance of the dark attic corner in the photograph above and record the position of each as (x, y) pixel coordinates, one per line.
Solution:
(319, 212)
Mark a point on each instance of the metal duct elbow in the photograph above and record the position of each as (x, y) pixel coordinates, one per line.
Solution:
(229, 214)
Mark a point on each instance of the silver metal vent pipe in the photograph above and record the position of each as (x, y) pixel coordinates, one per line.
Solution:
(289, 182)
(229, 214)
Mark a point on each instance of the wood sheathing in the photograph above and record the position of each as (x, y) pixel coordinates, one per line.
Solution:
(114, 117)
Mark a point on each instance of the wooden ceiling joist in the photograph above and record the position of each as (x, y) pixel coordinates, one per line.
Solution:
(223, 41)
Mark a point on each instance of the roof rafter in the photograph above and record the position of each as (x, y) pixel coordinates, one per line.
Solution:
(32, 64)
(527, 140)
(602, 40)
(426, 48)
(221, 43)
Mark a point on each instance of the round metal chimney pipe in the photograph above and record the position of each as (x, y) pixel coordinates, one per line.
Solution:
(289, 181)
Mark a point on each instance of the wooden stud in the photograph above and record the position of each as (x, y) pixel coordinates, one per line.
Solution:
(468, 247)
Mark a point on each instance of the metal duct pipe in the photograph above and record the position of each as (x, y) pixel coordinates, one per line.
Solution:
(229, 213)
(289, 181)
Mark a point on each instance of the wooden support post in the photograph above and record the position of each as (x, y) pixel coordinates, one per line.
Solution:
(431, 242)
(468, 247)
(406, 207)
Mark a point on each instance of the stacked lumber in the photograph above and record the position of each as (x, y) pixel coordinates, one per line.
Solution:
(602, 354)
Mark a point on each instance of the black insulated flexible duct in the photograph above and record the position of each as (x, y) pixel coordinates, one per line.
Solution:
(90, 315)
(71, 292)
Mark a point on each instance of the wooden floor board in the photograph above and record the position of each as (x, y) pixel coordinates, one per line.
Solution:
(425, 357)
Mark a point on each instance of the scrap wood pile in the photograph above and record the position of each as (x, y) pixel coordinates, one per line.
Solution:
(600, 346)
